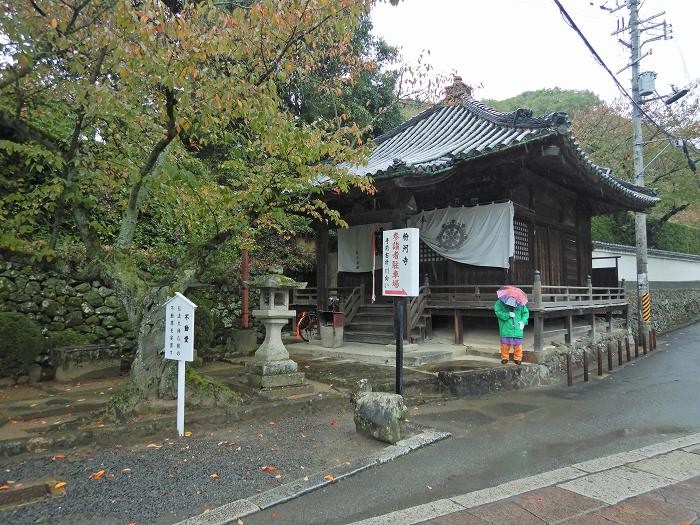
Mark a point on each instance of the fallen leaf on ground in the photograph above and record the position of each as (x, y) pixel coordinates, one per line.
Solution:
(239, 521)
(269, 468)
(34, 405)
(58, 456)
(278, 476)
(429, 487)
(60, 485)
(153, 445)
(206, 510)
(272, 422)
(125, 470)
(334, 422)
(306, 478)
(328, 477)
(79, 400)
(4, 487)
(97, 475)
(188, 434)
(238, 449)
(274, 514)
(214, 476)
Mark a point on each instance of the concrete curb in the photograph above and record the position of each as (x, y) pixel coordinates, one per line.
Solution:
(72, 438)
(656, 458)
(288, 491)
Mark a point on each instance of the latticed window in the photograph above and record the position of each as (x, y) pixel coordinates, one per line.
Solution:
(522, 240)
(427, 254)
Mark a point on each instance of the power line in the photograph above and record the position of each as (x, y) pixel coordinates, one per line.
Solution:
(597, 57)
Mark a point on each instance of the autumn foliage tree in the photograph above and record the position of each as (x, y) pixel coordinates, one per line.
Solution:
(112, 109)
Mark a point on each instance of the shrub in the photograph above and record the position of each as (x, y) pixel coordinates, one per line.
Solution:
(20, 343)
(203, 327)
(66, 338)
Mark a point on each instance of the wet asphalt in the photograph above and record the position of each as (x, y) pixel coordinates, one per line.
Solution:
(515, 434)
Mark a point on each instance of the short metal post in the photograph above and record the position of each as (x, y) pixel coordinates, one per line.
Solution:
(636, 347)
(651, 342)
(600, 362)
(653, 338)
(610, 357)
(569, 371)
(619, 352)
(627, 348)
(585, 366)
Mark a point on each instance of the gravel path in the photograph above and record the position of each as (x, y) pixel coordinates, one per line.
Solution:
(174, 479)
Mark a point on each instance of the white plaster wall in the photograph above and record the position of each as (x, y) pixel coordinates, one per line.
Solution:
(661, 268)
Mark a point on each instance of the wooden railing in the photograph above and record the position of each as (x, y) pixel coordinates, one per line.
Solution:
(542, 297)
(352, 303)
(415, 308)
(309, 296)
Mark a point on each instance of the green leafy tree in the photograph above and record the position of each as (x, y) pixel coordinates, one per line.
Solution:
(605, 132)
(112, 111)
(549, 100)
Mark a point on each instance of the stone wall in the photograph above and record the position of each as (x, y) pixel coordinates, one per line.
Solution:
(670, 308)
(58, 302)
(58, 299)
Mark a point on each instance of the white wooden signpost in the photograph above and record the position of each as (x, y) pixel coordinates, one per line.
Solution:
(400, 278)
(179, 345)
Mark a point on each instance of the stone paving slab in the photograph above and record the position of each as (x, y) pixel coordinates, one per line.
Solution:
(506, 513)
(612, 486)
(677, 465)
(608, 462)
(414, 514)
(518, 486)
(553, 504)
(224, 514)
(647, 510)
(658, 484)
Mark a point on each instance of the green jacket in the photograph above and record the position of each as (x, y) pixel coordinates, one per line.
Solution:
(510, 326)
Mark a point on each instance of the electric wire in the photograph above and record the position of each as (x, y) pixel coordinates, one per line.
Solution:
(567, 18)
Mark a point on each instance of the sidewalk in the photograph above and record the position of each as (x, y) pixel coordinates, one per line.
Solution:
(658, 484)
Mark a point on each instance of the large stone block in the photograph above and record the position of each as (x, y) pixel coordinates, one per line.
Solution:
(245, 341)
(381, 416)
(93, 299)
(74, 318)
(82, 288)
(266, 368)
(277, 380)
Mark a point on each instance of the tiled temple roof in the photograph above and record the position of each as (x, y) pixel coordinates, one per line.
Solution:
(445, 135)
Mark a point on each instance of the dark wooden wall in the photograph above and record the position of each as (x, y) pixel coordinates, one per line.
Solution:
(554, 224)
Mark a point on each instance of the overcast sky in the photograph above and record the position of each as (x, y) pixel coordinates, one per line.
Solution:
(511, 46)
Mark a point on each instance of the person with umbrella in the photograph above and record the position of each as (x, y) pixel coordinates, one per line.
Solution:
(512, 317)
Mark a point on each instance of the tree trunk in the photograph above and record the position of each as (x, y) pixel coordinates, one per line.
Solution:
(152, 376)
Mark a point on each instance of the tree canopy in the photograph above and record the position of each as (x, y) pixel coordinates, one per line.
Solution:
(548, 100)
(196, 116)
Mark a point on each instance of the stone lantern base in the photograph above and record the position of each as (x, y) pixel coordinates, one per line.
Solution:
(272, 371)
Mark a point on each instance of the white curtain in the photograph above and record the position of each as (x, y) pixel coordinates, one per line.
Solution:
(355, 248)
(478, 235)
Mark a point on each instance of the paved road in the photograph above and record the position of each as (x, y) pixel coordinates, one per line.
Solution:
(516, 434)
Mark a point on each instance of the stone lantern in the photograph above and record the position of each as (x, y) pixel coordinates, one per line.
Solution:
(271, 369)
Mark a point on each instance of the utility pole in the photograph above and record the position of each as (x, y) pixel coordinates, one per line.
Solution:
(636, 27)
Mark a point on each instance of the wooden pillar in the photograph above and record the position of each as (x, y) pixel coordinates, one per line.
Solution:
(569, 336)
(539, 331)
(589, 285)
(608, 317)
(322, 277)
(592, 332)
(537, 290)
(459, 328)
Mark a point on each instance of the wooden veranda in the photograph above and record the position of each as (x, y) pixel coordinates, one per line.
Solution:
(546, 302)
